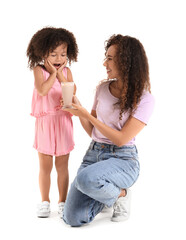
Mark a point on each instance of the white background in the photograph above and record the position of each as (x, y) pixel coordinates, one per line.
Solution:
(158, 203)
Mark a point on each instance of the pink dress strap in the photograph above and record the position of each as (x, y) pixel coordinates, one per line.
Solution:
(49, 104)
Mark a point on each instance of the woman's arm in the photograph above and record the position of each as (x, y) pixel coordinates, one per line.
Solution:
(86, 124)
(131, 128)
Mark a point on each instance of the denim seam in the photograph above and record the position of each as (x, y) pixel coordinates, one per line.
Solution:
(115, 197)
(87, 210)
(104, 177)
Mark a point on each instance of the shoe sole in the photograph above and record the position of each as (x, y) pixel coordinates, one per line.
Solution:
(43, 215)
(119, 219)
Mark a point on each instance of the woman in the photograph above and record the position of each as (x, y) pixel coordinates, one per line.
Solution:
(121, 109)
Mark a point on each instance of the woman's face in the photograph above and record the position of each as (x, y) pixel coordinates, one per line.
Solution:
(58, 56)
(110, 62)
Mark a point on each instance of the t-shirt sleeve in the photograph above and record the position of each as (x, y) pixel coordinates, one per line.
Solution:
(95, 102)
(96, 98)
(145, 108)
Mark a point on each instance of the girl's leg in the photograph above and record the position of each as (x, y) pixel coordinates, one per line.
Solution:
(46, 163)
(61, 163)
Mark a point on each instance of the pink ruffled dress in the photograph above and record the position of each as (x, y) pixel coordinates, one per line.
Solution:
(53, 127)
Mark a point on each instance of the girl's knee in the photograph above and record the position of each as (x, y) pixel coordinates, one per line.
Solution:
(46, 170)
(61, 163)
(45, 163)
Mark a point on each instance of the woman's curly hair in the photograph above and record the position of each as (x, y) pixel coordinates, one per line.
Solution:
(132, 64)
(46, 40)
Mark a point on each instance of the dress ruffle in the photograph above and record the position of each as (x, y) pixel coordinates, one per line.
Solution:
(54, 134)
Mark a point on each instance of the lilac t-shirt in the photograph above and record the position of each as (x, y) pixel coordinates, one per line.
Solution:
(108, 113)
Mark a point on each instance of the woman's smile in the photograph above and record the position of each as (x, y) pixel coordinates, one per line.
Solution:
(110, 63)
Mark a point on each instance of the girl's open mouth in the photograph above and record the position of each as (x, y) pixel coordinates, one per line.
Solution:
(57, 65)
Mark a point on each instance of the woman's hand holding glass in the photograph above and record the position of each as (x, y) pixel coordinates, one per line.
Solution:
(77, 109)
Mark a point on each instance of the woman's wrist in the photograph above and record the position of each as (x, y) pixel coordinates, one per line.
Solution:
(89, 117)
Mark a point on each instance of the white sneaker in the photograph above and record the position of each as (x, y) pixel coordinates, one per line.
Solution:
(122, 208)
(43, 210)
(106, 209)
(61, 208)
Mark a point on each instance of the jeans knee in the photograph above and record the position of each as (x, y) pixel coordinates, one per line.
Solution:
(84, 182)
(73, 218)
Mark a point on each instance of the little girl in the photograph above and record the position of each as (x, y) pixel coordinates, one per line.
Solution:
(48, 52)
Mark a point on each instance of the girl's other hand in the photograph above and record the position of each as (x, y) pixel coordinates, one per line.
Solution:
(49, 67)
(62, 66)
(60, 71)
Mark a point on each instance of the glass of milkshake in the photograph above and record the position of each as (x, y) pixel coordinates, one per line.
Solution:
(67, 93)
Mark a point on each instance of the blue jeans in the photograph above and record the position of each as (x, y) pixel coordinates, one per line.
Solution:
(106, 170)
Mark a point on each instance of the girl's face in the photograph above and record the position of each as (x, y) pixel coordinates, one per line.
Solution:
(110, 63)
(58, 56)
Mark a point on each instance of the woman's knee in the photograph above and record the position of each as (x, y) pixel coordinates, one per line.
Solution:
(75, 213)
(85, 181)
(76, 207)
(72, 218)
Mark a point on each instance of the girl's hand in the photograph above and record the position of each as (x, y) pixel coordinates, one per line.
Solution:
(49, 67)
(60, 72)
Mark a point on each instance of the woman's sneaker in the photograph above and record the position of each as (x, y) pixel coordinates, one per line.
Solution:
(61, 208)
(106, 209)
(43, 210)
(122, 208)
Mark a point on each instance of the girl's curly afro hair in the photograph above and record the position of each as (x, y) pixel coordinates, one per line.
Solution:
(46, 40)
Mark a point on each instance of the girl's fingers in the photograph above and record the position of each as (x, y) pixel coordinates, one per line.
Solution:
(49, 63)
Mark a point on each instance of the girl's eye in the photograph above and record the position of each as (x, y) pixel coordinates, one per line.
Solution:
(53, 55)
